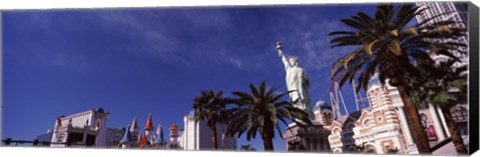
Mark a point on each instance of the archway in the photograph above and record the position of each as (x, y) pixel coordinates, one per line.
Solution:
(370, 148)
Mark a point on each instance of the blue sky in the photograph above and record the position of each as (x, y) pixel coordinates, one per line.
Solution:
(133, 62)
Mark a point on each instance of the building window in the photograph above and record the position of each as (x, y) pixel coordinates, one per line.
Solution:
(350, 127)
(366, 123)
(336, 131)
(378, 100)
(379, 119)
(387, 147)
(460, 114)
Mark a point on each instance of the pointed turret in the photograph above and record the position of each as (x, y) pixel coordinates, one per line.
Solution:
(159, 129)
(149, 125)
(134, 124)
(126, 137)
(160, 138)
(139, 137)
(144, 141)
(160, 141)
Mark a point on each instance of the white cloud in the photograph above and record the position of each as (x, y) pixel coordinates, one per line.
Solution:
(77, 64)
(236, 62)
(156, 39)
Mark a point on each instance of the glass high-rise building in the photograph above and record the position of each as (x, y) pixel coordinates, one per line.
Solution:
(452, 11)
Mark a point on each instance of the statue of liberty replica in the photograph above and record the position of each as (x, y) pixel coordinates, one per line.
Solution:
(297, 82)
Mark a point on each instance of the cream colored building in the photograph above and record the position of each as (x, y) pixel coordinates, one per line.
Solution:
(198, 136)
(87, 128)
(383, 126)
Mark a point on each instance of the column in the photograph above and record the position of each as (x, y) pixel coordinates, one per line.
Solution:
(313, 145)
(197, 135)
(84, 140)
(444, 123)
(307, 143)
(186, 134)
(438, 127)
(325, 144)
(411, 146)
(319, 144)
(405, 127)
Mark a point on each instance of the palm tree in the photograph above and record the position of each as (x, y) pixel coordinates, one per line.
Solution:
(210, 107)
(296, 146)
(446, 87)
(260, 111)
(393, 151)
(384, 45)
(363, 149)
(247, 147)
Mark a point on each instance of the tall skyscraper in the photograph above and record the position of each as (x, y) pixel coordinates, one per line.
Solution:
(452, 11)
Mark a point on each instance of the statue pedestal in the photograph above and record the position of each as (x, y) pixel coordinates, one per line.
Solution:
(311, 138)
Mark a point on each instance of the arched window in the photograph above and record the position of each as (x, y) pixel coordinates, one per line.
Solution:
(378, 100)
(366, 123)
(336, 131)
(350, 126)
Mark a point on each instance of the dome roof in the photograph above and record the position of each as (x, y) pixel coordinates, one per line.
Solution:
(100, 110)
(321, 103)
(374, 82)
(321, 106)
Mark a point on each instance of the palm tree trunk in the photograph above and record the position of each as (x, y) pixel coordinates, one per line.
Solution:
(214, 136)
(414, 123)
(267, 135)
(267, 142)
(452, 127)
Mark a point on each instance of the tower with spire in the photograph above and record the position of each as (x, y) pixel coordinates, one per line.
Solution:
(134, 130)
(144, 143)
(175, 137)
(134, 138)
(149, 129)
(159, 140)
(126, 141)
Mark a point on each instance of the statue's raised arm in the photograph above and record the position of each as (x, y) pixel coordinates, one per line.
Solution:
(280, 53)
(297, 81)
